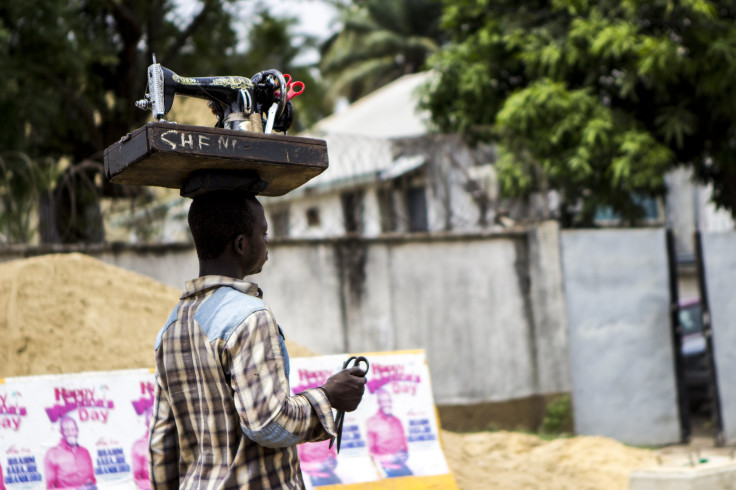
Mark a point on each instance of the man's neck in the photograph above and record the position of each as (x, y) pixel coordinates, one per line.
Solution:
(217, 268)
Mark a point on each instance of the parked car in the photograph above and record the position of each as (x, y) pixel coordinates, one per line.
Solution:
(695, 363)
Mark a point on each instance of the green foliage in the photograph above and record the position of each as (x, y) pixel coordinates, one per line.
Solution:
(603, 97)
(380, 41)
(22, 183)
(558, 417)
(272, 44)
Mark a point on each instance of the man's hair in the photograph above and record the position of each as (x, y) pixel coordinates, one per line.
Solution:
(217, 217)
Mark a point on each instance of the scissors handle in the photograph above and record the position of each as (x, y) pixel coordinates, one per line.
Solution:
(291, 91)
(340, 418)
(294, 92)
(357, 360)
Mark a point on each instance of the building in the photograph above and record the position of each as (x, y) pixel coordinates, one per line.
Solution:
(389, 174)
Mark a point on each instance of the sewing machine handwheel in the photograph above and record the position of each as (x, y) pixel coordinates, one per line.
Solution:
(282, 90)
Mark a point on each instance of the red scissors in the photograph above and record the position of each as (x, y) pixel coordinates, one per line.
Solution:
(293, 88)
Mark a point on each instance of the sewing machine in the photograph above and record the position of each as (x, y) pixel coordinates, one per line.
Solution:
(247, 147)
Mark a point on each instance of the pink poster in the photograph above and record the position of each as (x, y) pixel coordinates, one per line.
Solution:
(81, 431)
(394, 432)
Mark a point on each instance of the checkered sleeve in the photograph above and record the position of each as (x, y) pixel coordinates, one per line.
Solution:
(163, 443)
(269, 415)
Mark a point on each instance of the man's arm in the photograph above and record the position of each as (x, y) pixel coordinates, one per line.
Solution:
(269, 415)
(163, 443)
(91, 481)
(49, 469)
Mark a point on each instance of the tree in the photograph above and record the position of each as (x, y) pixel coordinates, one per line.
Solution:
(73, 69)
(596, 98)
(380, 41)
(272, 43)
(23, 183)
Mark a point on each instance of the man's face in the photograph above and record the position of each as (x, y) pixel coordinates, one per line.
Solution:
(258, 243)
(69, 431)
(384, 402)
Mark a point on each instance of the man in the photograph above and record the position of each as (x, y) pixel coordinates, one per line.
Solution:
(69, 465)
(386, 440)
(223, 416)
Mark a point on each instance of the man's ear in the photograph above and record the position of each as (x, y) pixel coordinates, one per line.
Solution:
(239, 244)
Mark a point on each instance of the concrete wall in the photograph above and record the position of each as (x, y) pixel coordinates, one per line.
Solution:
(487, 308)
(492, 314)
(720, 272)
(621, 354)
(171, 264)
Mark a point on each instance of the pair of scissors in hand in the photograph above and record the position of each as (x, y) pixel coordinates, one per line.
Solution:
(293, 88)
(340, 418)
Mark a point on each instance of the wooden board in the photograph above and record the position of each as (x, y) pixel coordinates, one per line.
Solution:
(164, 154)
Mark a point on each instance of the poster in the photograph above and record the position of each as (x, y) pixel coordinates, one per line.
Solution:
(394, 433)
(84, 430)
(90, 430)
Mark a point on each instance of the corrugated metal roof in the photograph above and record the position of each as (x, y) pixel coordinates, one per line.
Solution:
(389, 112)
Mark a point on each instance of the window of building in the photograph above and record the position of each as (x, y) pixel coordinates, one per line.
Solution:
(352, 211)
(313, 218)
(651, 208)
(279, 225)
(387, 210)
(416, 203)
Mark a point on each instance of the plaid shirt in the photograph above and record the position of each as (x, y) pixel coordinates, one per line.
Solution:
(223, 415)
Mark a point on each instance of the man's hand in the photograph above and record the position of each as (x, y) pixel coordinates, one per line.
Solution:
(345, 388)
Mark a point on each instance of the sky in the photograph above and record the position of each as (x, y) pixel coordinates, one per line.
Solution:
(315, 17)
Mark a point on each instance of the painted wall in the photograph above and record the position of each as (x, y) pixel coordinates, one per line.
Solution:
(621, 354)
(720, 273)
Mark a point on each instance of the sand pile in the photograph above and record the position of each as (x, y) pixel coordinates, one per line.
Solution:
(512, 460)
(69, 313)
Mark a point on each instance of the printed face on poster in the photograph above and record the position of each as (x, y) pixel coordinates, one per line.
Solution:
(394, 431)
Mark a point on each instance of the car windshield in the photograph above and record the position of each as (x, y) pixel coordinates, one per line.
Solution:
(690, 319)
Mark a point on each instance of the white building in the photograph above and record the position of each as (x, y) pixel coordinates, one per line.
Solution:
(388, 174)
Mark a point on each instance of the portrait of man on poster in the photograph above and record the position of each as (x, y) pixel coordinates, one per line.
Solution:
(69, 465)
(386, 438)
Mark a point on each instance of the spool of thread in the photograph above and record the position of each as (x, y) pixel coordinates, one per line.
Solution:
(256, 123)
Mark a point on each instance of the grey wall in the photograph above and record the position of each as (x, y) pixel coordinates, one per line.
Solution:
(491, 312)
(621, 355)
(172, 267)
(720, 272)
(171, 264)
(488, 309)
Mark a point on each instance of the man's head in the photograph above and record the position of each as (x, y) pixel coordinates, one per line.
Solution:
(230, 227)
(69, 430)
(385, 403)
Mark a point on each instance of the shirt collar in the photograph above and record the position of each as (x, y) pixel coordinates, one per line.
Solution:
(68, 447)
(202, 284)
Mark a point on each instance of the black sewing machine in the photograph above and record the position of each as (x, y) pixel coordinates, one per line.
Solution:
(247, 147)
(233, 99)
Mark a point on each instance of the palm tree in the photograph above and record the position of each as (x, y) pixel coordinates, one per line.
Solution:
(380, 41)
